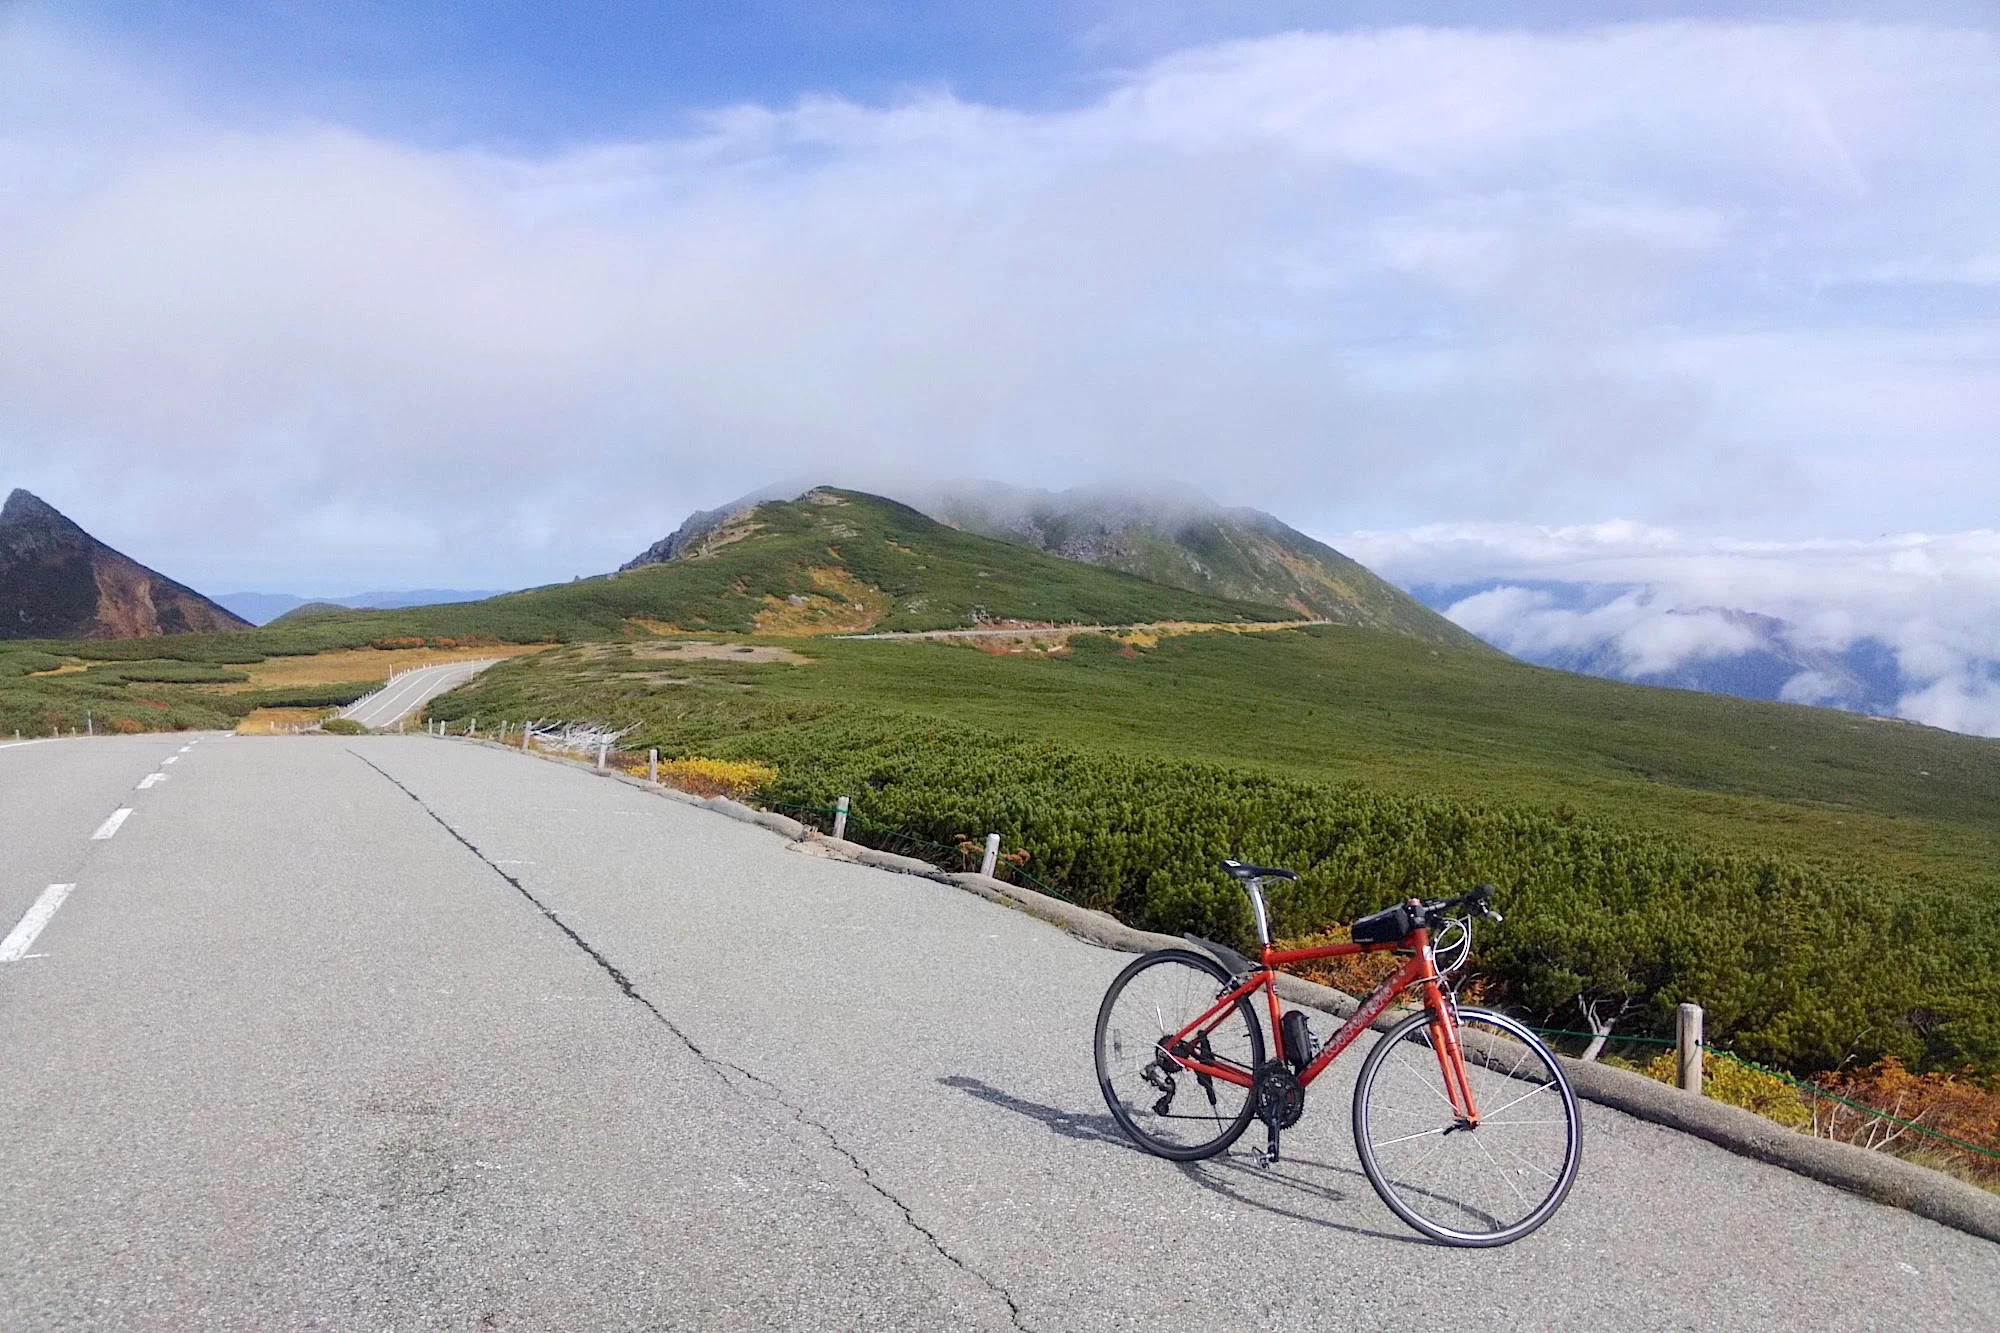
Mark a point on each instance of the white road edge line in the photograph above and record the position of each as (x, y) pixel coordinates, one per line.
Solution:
(15, 745)
(110, 826)
(15, 946)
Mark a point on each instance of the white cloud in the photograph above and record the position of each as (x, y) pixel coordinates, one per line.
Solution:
(1361, 277)
(1932, 601)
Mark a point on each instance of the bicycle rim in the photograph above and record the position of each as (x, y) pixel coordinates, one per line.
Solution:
(1465, 1185)
(1167, 1110)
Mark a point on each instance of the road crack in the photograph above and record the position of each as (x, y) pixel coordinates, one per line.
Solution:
(732, 1076)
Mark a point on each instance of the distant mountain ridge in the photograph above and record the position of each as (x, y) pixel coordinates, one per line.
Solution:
(261, 608)
(59, 582)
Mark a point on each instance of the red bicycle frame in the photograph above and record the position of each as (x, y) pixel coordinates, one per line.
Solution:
(1421, 971)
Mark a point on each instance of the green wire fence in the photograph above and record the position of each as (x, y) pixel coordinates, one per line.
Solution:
(1809, 1090)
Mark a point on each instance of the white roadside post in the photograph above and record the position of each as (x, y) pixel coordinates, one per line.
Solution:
(472, 728)
(653, 767)
(840, 818)
(987, 861)
(600, 757)
(89, 724)
(526, 732)
(1687, 1034)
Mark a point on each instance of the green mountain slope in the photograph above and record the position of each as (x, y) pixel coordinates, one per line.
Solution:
(1186, 541)
(831, 562)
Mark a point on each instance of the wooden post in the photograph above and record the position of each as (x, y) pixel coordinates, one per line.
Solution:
(1687, 1033)
(987, 861)
(653, 767)
(840, 818)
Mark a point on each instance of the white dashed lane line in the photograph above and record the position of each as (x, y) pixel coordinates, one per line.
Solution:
(151, 779)
(15, 947)
(171, 759)
(111, 825)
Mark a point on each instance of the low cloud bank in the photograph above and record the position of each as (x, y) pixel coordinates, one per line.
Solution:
(1907, 626)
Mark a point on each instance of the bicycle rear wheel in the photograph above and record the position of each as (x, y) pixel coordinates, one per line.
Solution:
(1169, 1111)
(1458, 1183)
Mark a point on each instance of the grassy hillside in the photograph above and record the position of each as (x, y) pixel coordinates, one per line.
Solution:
(1188, 542)
(1824, 883)
(833, 561)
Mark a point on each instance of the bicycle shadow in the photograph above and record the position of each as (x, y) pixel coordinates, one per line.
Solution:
(1218, 1175)
(1069, 1124)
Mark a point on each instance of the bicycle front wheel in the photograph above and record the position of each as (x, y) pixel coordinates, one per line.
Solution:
(1169, 1110)
(1465, 1184)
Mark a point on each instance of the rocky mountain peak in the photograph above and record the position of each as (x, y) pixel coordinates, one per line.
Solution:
(59, 582)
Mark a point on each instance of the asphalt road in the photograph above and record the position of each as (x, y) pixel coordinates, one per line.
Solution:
(397, 1033)
(410, 691)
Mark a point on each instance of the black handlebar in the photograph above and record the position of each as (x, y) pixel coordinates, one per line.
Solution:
(1479, 902)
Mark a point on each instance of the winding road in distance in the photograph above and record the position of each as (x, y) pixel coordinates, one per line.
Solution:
(399, 1033)
(408, 692)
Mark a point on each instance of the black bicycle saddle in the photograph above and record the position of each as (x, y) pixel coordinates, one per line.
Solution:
(1241, 871)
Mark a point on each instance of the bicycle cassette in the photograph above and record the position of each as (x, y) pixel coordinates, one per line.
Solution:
(1280, 1097)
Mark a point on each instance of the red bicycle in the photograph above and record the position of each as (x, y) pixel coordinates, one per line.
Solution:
(1463, 1119)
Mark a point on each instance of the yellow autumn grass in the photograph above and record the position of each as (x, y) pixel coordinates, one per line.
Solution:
(280, 721)
(703, 777)
(346, 664)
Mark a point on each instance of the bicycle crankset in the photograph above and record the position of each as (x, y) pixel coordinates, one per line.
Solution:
(1280, 1097)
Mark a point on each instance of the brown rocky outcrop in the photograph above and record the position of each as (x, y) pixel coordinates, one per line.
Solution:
(59, 582)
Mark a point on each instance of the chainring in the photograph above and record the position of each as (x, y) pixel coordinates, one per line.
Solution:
(1280, 1097)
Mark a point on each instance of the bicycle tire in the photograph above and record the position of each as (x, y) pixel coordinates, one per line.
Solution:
(1466, 1186)
(1169, 989)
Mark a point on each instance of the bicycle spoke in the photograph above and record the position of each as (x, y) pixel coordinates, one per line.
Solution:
(1448, 1189)
(1405, 1138)
(1540, 1171)
(1502, 1173)
(1541, 1088)
(1167, 1107)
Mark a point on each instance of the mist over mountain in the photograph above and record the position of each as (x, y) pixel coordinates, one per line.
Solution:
(59, 582)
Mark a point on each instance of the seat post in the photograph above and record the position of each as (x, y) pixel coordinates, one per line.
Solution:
(1255, 888)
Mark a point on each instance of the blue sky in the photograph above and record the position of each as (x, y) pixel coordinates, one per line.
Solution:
(535, 75)
(321, 296)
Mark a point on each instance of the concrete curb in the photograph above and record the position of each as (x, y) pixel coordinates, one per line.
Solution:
(1872, 1175)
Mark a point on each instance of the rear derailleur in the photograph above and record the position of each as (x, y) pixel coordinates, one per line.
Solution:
(1160, 1073)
